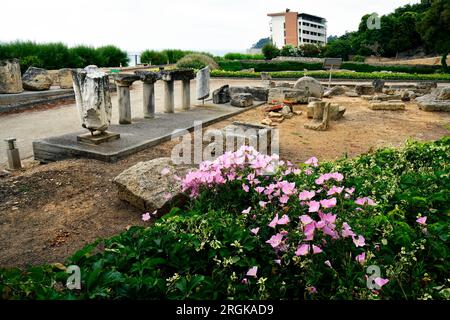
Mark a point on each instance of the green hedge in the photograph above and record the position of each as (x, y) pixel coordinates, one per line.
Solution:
(243, 56)
(259, 66)
(53, 56)
(363, 67)
(336, 75)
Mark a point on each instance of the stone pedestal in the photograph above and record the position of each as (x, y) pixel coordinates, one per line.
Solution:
(148, 78)
(123, 82)
(96, 139)
(203, 76)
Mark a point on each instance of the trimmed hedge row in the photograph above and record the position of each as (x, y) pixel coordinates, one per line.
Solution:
(259, 66)
(336, 75)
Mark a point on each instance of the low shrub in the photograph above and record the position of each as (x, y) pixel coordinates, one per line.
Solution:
(358, 58)
(270, 51)
(197, 61)
(261, 228)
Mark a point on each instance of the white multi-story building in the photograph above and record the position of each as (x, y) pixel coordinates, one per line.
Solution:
(297, 28)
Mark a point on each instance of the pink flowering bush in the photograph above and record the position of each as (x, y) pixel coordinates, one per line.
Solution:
(373, 227)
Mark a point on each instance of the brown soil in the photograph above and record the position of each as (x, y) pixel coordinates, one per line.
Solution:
(47, 212)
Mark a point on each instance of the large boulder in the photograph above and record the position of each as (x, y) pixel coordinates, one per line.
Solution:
(222, 95)
(258, 93)
(287, 95)
(364, 90)
(311, 85)
(10, 76)
(437, 100)
(36, 79)
(378, 85)
(242, 100)
(65, 78)
(335, 91)
(151, 185)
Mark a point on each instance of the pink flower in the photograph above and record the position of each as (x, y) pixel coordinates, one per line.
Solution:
(284, 199)
(167, 196)
(314, 206)
(262, 204)
(328, 263)
(259, 189)
(274, 222)
(254, 231)
(308, 172)
(245, 187)
(275, 240)
(312, 290)
(359, 242)
(316, 249)
(287, 187)
(247, 211)
(146, 216)
(305, 219)
(329, 218)
(244, 281)
(347, 230)
(350, 190)
(284, 220)
(302, 250)
(309, 231)
(365, 200)
(312, 161)
(297, 171)
(361, 258)
(328, 203)
(380, 281)
(306, 195)
(335, 190)
(422, 220)
(252, 272)
(165, 171)
(277, 261)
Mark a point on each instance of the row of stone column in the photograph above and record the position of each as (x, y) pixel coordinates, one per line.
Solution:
(124, 81)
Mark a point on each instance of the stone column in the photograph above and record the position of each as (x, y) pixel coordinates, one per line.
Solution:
(186, 94)
(123, 82)
(169, 76)
(92, 97)
(148, 78)
(169, 101)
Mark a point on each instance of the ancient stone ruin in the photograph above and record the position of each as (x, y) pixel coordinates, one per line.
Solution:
(437, 100)
(203, 77)
(10, 76)
(36, 79)
(93, 101)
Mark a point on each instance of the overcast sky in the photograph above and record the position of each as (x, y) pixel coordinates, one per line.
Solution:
(134, 25)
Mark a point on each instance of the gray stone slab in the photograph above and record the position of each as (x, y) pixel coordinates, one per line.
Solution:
(141, 134)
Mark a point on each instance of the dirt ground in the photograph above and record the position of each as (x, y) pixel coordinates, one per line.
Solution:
(47, 212)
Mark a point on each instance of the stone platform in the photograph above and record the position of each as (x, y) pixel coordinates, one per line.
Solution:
(141, 134)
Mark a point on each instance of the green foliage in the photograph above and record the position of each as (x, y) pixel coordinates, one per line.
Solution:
(434, 28)
(242, 56)
(154, 57)
(336, 75)
(57, 55)
(197, 61)
(112, 56)
(83, 56)
(311, 50)
(204, 252)
(358, 58)
(289, 51)
(362, 67)
(270, 51)
(339, 48)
